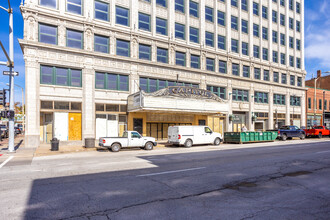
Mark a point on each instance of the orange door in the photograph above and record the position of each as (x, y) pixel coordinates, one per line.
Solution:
(74, 126)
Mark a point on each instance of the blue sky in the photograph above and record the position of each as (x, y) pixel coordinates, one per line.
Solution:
(317, 40)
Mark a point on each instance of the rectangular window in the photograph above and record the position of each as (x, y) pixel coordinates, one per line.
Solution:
(245, 48)
(240, 95)
(260, 97)
(162, 55)
(291, 5)
(244, 5)
(275, 56)
(282, 19)
(161, 26)
(265, 33)
(210, 64)
(193, 9)
(295, 101)
(283, 62)
(245, 26)
(256, 8)
(222, 66)
(320, 104)
(325, 105)
(283, 78)
(275, 36)
(276, 77)
(234, 3)
(208, 14)
(292, 80)
(144, 22)
(291, 44)
(279, 99)
(221, 42)
(180, 31)
(298, 26)
(298, 7)
(255, 30)
(282, 3)
(256, 51)
(221, 18)
(49, 3)
(74, 6)
(246, 71)
(235, 69)
(195, 61)
(194, 35)
(180, 58)
(111, 81)
(299, 81)
(291, 59)
(219, 91)
(274, 16)
(264, 53)
(298, 44)
(291, 23)
(234, 22)
(101, 44)
(123, 48)
(60, 76)
(122, 16)
(309, 103)
(101, 11)
(234, 45)
(47, 34)
(144, 52)
(161, 3)
(209, 39)
(283, 39)
(298, 63)
(179, 5)
(257, 73)
(74, 39)
(266, 75)
(264, 12)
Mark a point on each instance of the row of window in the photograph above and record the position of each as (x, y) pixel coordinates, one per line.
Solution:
(319, 104)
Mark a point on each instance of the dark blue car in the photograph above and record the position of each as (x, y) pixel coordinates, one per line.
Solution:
(290, 131)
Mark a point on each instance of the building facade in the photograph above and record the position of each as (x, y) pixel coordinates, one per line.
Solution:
(90, 63)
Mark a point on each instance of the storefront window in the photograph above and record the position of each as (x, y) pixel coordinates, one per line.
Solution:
(61, 105)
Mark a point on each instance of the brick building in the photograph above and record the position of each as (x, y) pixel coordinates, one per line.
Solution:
(318, 104)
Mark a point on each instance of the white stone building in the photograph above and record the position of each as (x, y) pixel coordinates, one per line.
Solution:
(84, 58)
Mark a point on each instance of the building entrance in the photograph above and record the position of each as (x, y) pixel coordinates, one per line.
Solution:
(159, 130)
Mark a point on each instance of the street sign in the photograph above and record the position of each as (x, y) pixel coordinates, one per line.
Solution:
(7, 73)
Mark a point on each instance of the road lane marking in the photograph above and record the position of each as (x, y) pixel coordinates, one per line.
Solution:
(320, 152)
(173, 171)
(6, 161)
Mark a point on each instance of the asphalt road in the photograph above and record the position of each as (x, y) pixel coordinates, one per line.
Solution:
(260, 181)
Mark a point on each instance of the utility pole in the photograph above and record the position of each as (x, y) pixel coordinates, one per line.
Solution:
(10, 64)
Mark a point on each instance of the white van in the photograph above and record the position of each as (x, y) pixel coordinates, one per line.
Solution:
(193, 135)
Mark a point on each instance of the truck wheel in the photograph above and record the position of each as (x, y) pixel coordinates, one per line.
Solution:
(284, 137)
(115, 147)
(149, 146)
(320, 135)
(188, 143)
(302, 136)
(217, 141)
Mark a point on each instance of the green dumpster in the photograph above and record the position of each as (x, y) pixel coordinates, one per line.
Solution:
(249, 137)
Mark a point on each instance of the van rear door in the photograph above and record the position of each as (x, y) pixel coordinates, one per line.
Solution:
(173, 134)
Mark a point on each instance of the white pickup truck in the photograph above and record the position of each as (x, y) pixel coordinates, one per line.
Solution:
(129, 139)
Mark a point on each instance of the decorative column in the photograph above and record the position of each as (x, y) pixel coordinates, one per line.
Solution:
(303, 110)
(287, 114)
(271, 109)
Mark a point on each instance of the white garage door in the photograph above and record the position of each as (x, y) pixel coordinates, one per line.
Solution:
(61, 126)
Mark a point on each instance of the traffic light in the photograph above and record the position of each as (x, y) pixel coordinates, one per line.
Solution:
(3, 97)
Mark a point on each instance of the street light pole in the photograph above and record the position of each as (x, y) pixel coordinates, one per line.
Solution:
(323, 110)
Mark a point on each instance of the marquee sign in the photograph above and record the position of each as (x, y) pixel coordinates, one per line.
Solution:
(186, 92)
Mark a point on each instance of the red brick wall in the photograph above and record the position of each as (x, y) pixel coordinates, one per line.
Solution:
(319, 95)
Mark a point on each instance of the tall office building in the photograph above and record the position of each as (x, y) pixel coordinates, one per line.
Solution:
(97, 67)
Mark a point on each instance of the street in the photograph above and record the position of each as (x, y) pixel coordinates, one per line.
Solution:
(277, 180)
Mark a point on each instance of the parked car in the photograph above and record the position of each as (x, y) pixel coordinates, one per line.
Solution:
(193, 135)
(4, 131)
(318, 131)
(129, 139)
(286, 132)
